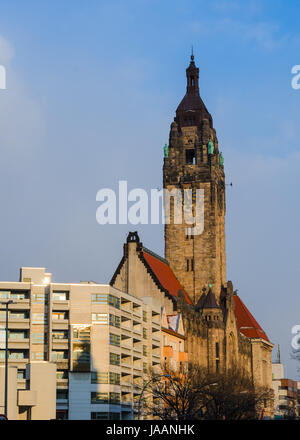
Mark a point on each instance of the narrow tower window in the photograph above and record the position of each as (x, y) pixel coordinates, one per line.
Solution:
(217, 350)
(190, 264)
(190, 158)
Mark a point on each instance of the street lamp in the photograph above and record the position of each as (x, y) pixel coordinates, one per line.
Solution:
(6, 303)
(145, 386)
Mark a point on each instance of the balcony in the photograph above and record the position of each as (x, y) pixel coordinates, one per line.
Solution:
(126, 388)
(62, 383)
(21, 384)
(18, 304)
(15, 324)
(137, 351)
(61, 305)
(156, 325)
(60, 324)
(156, 336)
(15, 361)
(126, 331)
(27, 398)
(18, 343)
(60, 344)
(126, 366)
(137, 369)
(126, 312)
(61, 364)
(137, 314)
(126, 402)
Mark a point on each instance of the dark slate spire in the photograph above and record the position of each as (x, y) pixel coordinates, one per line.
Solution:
(192, 110)
(200, 302)
(192, 76)
(210, 301)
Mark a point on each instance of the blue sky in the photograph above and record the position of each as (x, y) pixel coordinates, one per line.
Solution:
(92, 88)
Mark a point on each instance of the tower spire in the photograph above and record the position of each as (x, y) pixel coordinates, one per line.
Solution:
(192, 76)
(278, 355)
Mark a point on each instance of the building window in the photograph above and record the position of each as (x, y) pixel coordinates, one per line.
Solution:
(104, 298)
(105, 378)
(144, 333)
(114, 301)
(114, 320)
(38, 356)
(105, 416)
(99, 377)
(114, 378)
(61, 374)
(18, 354)
(15, 334)
(190, 158)
(38, 338)
(99, 397)
(144, 350)
(21, 315)
(59, 355)
(39, 318)
(145, 367)
(15, 294)
(60, 296)
(99, 298)
(165, 363)
(112, 398)
(62, 334)
(21, 374)
(61, 394)
(189, 234)
(59, 315)
(190, 264)
(100, 318)
(180, 367)
(180, 346)
(144, 316)
(39, 298)
(114, 359)
(217, 350)
(114, 339)
(81, 356)
(217, 365)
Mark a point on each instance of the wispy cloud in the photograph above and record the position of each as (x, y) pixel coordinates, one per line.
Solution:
(266, 35)
(21, 121)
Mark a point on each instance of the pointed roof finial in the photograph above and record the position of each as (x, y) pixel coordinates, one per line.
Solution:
(192, 54)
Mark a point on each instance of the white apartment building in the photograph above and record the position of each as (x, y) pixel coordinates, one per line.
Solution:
(102, 341)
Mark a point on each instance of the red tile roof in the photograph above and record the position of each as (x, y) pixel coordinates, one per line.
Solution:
(165, 275)
(246, 322)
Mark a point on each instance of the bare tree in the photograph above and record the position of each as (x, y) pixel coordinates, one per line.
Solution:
(196, 394)
(175, 396)
(233, 396)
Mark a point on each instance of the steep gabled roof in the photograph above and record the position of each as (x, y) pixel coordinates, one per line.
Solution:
(246, 322)
(165, 275)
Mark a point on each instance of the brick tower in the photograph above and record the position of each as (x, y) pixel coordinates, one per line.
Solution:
(193, 161)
